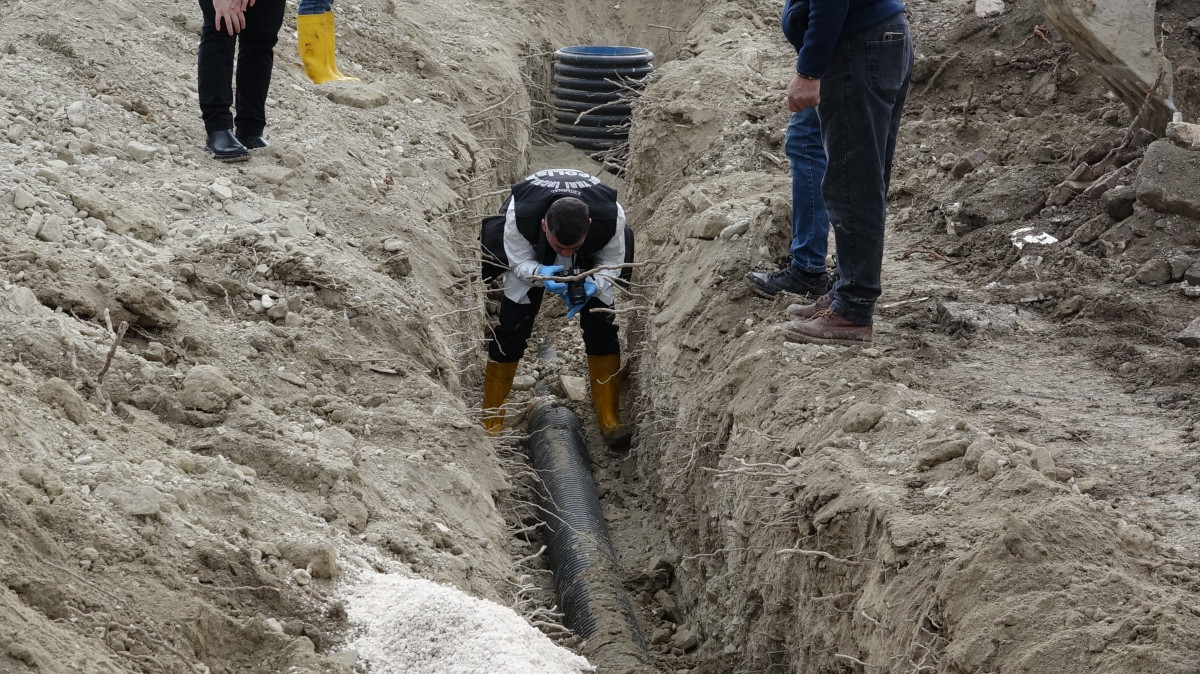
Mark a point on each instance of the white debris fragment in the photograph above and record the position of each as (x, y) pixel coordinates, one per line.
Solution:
(1025, 235)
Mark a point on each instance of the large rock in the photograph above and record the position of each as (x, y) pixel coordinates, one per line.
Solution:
(136, 221)
(207, 389)
(1167, 179)
(1014, 194)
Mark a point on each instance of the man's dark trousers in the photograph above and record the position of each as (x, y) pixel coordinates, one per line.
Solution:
(862, 96)
(511, 336)
(255, 59)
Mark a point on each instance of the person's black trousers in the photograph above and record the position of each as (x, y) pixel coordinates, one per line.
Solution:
(255, 59)
(600, 332)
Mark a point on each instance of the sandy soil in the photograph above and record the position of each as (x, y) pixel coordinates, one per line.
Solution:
(1003, 483)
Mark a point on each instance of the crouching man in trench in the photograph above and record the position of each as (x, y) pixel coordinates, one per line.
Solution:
(556, 221)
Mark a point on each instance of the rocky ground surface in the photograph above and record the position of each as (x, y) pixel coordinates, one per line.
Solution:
(232, 391)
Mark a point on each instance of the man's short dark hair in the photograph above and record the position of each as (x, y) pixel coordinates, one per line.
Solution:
(567, 219)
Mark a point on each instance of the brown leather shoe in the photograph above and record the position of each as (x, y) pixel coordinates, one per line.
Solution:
(826, 327)
(809, 310)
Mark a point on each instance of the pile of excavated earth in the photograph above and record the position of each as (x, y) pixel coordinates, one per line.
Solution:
(239, 404)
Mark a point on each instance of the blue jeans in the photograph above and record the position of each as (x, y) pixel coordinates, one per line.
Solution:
(810, 221)
(315, 6)
(862, 96)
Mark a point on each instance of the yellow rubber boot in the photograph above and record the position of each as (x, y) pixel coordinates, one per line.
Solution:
(337, 74)
(605, 375)
(316, 46)
(497, 382)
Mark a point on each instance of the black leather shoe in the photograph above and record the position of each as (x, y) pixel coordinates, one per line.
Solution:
(790, 280)
(253, 142)
(224, 146)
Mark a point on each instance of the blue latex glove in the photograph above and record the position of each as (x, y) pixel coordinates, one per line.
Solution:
(556, 287)
(590, 288)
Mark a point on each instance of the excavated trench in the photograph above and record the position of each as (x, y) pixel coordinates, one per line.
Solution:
(791, 508)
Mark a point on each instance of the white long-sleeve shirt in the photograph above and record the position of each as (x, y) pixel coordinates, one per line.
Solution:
(523, 261)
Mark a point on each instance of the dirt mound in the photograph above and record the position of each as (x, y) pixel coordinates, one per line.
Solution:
(980, 490)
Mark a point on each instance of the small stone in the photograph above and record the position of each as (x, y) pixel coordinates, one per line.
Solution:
(523, 382)
(140, 151)
(77, 114)
(297, 230)
(1180, 264)
(34, 224)
(244, 213)
(736, 229)
(291, 378)
(23, 199)
(685, 640)
(398, 265)
(971, 161)
(59, 393)
(1043, 461)
(1190, 335)
(205, 388)
(1192, 275)
(698, 201)
(1184, 134)
(1155, 272)
(51, 230)
(393, 245)
(32, 476)
(323, 563)
(669, 606)
(574, 388)
(362, 97)
(279, 311)
(156, 352)
(293, 320)
(1118, 202)
(25, 303)
(710, 224)
(988, 8)
(144, 501)
(301, 577)
(861, 417)
(660, 636)
(221, 191)
(938, 452)
(989, 465)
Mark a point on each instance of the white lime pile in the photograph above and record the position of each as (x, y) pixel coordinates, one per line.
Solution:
(419, 627)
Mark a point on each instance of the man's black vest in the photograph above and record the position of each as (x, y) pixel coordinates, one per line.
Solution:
(533, 196)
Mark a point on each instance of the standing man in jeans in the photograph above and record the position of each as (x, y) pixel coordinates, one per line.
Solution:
(805, 274)
(855, 59)
(252, 27)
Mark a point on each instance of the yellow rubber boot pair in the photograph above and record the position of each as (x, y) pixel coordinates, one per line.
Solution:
(317, 46)
(497, 382)
(604, 372)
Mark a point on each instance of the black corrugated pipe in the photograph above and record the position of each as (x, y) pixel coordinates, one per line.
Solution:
(587, 579)
(593, 86)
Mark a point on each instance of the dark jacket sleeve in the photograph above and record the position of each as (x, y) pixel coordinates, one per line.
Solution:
(795, 21)
(826, 19)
